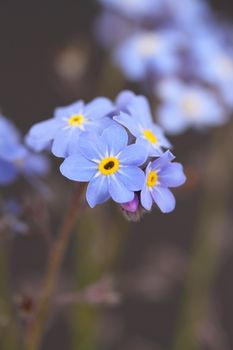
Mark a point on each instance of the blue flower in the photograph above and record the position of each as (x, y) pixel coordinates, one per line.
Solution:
(109, 165)
(138, 120)
(160, 175)
(185, 105)
(10, 147)
(147, 52)
(15, 159)
(63, 131)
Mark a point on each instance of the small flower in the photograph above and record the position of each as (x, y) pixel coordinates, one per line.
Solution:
(139, 122)
(160, 175)
(109, 165)
(184, 105)
(63, 131)
(15, 159)
(147, 52)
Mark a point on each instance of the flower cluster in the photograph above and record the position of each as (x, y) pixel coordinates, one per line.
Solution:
(15, 158)
(116, 148)
(177, 44)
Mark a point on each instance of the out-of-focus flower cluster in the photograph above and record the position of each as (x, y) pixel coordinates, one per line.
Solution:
(180, 51)
(116, 148)
(15, 158)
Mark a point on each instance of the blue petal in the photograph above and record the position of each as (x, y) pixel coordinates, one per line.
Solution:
(132, 177)
(68, 111)
(152, 151)
(127, 121)
(98, 108)
(171, 119)
(8, 172)
(91, 146)
(78, 168)
(123, 99)
(164, 199)
(139, 108)
(116, 139)
(118, 190)
(62, 140)
(97, 191)
(165, 159)
(133, 155)
(43, 133)
(146, 199)
(172, 175)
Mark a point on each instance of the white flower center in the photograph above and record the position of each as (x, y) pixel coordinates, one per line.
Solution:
(148, 45)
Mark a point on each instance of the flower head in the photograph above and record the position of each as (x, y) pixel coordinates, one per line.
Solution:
(15, 159)
(109, 164)
(184, 105)
(138, 120)
(147, 52)
(160, 175)
(63, 131)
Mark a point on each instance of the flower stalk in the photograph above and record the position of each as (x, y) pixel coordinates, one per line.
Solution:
(36, 328)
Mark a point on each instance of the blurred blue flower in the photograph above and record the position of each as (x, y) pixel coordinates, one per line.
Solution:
(111, 166)
(160, 175)
(147, 52)
(185, 105)
(15, 159)
(138, 120)
(62, 132)
(215, 65)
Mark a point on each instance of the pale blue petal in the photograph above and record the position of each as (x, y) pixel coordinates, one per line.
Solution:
(60, 147)
(11, 152)
(132, 177)
(146, 199)
(116, 139)
(78, 168)
(164, 199)
(118, 190)
(91, 146)
(123, 99)
(43, 133)
(97, 191)
(68, 111)
(133, 155)
(36, 164)
(98, 108)
(172, 175)
(139, 108)
(163, 160)
(128, 121)
(152, 151)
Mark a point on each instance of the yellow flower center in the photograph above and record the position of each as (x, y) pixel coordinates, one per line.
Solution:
(150, 136)
(76, 120)
(109, 166)
(152, 178)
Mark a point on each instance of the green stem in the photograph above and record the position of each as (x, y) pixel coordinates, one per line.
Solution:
(36, 329)
(207, 245)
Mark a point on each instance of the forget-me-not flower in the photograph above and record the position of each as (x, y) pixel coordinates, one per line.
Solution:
(15, 159)
(185, 105)
(109, 164)
(146, 52)
(160, 175)
(138, 120)
(63, 131)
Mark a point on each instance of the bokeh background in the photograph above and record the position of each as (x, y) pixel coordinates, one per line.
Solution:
(150, 281)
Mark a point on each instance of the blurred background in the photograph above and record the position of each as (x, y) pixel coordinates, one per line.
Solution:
(162, 283)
